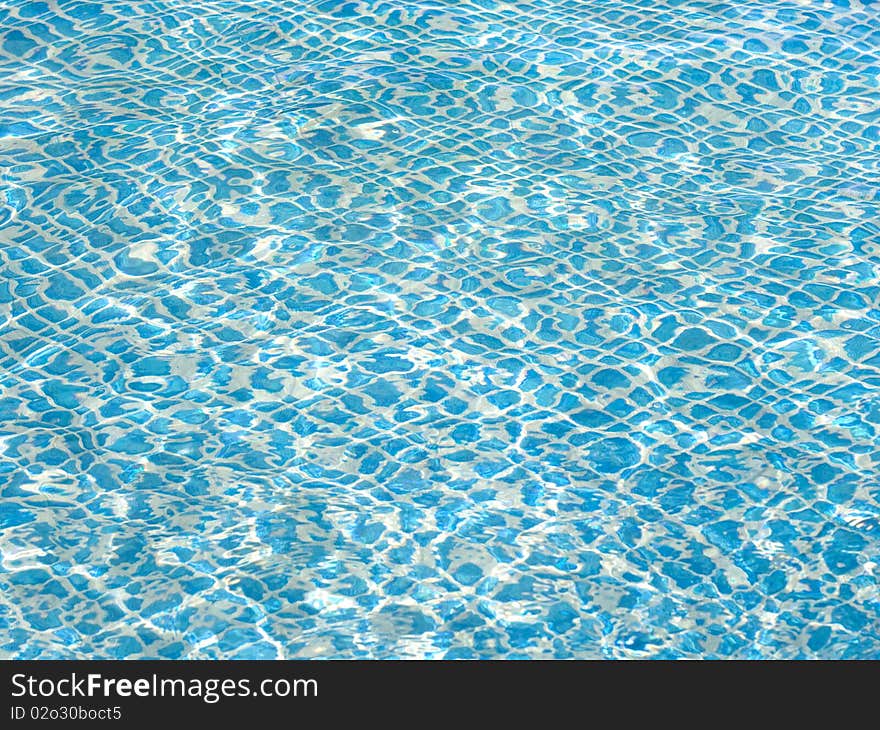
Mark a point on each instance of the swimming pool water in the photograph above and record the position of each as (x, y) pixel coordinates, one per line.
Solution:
(439, 329)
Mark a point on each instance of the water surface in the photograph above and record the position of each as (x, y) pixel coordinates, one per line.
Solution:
(443, 329)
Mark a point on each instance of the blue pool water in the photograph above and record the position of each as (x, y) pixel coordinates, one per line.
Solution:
(440, 329)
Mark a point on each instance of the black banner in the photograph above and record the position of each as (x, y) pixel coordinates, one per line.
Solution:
(133, 693)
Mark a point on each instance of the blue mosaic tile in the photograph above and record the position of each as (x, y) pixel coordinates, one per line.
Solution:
(439, 329)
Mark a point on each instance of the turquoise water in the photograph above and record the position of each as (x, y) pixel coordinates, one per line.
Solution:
(443, 329)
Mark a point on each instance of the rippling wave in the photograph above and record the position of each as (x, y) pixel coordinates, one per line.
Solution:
(449, 329)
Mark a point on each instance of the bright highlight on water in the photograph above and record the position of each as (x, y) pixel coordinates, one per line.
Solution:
(439, 330)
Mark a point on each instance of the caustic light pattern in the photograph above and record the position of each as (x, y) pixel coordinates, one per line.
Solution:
(439, 329)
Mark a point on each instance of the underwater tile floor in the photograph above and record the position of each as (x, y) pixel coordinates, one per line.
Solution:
(439, 329)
